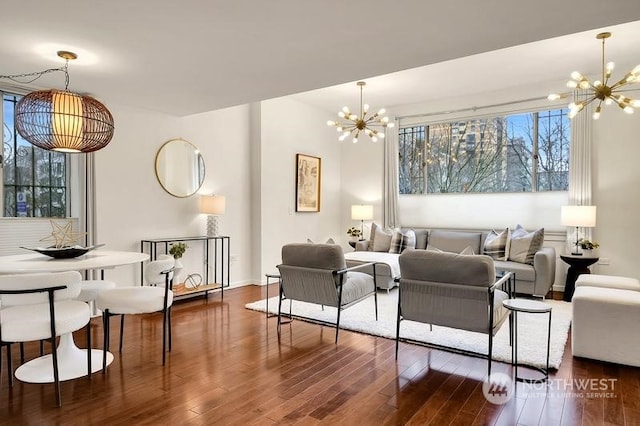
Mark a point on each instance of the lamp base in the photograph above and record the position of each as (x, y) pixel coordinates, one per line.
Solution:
(212, 226)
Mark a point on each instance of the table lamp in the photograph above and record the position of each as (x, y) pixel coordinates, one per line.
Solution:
(361, 212)
(578, 216)
(213, 206)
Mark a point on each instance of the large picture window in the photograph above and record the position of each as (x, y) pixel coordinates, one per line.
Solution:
(34, 181)
(510, 153)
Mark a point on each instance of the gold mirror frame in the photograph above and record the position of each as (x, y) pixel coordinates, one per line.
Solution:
(180, 168)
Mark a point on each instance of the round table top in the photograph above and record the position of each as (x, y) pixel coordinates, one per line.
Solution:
(96, 259)
(579, 260)
(526, 305)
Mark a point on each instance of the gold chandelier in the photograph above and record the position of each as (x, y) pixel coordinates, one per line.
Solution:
(61, 120)
(600, 90)
(364, 123)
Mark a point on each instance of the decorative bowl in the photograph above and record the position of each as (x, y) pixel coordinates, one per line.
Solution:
(63, 252)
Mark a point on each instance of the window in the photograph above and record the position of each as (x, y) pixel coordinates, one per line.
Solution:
(513, 153)
(34, 181)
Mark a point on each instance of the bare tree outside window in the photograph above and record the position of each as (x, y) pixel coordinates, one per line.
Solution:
(34, 180)
(515, 153)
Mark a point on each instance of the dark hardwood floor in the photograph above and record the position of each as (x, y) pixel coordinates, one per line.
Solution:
(228, 366)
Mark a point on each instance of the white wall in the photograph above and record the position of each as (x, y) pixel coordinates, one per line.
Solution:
(616, 191)
(289, 127)
(131, 204)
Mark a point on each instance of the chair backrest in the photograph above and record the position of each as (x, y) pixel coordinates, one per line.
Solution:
(71, 279)
(307, 272)
(153, 271)
(319, 256)
(446, 289)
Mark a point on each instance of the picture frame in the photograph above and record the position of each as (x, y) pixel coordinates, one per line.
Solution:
(308, 183)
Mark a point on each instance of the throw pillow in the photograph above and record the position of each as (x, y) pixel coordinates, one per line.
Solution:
(380, 238)
(524, 245)
(329, 241)
(496, 245)
(468, 251)
(402, 240)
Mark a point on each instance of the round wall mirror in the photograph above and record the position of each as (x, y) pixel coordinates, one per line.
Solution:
(180, 168)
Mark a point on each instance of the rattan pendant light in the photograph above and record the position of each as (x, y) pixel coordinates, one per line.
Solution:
(61, 120)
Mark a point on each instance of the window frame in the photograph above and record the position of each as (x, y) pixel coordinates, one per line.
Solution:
(413, 121)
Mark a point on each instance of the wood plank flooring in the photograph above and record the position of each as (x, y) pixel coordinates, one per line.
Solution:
(228, 366)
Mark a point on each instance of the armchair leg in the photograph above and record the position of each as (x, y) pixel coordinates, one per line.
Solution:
(164, 335)
(9, 366)
(279, 309)
(338, 324)
(490, 355)
(398, 321)
(169, 318)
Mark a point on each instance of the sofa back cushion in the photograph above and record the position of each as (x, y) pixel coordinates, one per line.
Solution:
(454, 241)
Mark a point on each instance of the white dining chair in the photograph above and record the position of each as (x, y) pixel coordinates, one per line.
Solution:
(155, 296)
(42, 306)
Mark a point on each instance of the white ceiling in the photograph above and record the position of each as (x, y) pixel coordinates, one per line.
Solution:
(190, 56)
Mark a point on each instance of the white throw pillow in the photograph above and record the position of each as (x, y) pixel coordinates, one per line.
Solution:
(380, 238)
(402, 240)
(496, 245)
(467, 251)
(524, 245)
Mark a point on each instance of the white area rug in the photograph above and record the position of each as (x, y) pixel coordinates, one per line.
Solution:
(532, 328)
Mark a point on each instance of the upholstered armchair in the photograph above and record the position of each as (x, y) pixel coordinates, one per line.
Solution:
(318, 273)
(452, 290)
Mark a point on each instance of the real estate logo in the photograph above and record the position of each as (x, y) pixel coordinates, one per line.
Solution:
(498, 389)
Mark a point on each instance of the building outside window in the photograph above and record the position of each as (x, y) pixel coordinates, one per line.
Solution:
(511, 153)
(33, 180)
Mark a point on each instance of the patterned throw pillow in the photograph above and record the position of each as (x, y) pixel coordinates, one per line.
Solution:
(524, 245)
(380, 238)
(402, 240)
(497, 245)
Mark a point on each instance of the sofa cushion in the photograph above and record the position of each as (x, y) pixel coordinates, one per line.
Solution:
(380, 238)
(524, 245)
(454, 241)
(496, 245)
(523, 271)
(402, 240)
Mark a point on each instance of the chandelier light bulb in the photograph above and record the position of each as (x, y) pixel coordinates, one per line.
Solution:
(554, 97)
(602, 90)
(331, 123)
(365, 108)
(355, 140)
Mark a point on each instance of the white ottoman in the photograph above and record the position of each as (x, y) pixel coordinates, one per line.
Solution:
(608, 281)
(605, 324)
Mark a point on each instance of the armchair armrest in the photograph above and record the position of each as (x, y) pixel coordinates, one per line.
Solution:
(544, 264)
(505, 283)
(362, 245)
(358, 266)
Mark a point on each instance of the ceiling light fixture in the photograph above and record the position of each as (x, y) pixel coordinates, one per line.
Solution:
(600, 90)
(363, 123)
(61, 120)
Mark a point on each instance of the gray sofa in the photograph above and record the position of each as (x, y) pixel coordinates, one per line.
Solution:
(535, 279)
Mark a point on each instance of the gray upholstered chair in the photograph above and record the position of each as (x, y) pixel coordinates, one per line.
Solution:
(318, 273)
(452, 290)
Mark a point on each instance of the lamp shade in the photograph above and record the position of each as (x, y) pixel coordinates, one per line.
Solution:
(64, 121)
(578, 216)
(212, 204)
(361, 212)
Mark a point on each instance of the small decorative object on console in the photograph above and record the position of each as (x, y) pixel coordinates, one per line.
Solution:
(354, 232)
(177, 250)
(588, 245)
(68, 252)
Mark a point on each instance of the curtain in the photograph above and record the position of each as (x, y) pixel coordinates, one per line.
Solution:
(391, 188)
(580, 164)
(88, 222)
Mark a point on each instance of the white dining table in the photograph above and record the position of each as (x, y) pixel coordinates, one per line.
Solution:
(72, 361)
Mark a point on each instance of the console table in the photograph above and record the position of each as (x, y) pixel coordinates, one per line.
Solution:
(218, 262)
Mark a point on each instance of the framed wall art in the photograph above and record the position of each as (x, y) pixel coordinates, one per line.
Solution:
(308, 178)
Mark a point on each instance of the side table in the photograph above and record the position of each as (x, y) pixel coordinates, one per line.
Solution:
(577, 265)
(531, 307)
